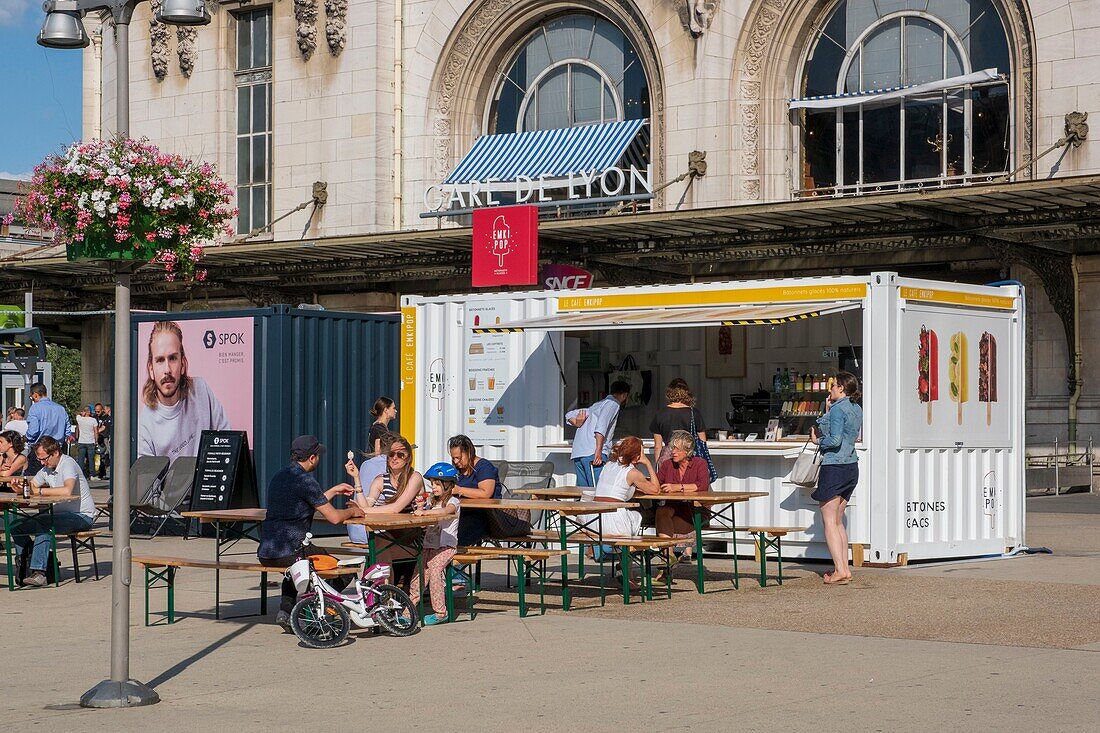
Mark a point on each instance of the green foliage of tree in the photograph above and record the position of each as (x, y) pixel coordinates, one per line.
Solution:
(66, 377)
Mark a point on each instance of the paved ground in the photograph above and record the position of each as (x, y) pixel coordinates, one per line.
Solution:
(1008, 644)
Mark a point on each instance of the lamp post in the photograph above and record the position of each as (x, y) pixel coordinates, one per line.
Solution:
(63, 28)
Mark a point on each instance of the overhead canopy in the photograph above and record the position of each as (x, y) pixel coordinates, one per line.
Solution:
(740, 315)
(546, 153)
(874, 96)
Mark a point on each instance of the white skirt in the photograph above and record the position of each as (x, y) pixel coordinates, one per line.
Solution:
(622, 523)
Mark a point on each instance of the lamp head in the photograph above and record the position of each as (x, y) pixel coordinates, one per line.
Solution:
(183, 12)
(62, 28)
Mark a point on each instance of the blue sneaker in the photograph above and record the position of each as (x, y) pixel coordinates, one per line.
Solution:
(432, 620)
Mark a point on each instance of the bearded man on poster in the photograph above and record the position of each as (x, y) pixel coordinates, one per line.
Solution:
(176, 407)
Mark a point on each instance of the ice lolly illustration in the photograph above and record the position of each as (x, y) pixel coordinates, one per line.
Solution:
(987, 374)
(928, 368)
(957, 371)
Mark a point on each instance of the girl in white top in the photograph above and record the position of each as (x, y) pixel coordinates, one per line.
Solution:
(619, 480)
(440, 539)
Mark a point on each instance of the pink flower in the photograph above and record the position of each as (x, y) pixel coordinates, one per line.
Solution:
(184, 229)
(150, 236)
(201, 275)
(7, 218)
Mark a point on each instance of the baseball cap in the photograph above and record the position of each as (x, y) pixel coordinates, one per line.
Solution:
(305, 446)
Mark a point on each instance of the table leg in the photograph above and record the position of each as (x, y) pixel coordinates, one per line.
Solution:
(53, 550)
(263, 594)
(521, 576)
(697, 517)
(779, 552)
(624, 568)
(565, 600)
(171, 595)
(146, 593)
(8, 543)
(733, 534)
(217, 570)
(762, 549)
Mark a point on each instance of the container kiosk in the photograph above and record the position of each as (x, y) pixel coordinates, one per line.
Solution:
(941, 454)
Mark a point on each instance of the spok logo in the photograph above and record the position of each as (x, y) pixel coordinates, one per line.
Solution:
(209, 339)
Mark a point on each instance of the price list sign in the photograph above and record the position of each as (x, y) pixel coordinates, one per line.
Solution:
(223, 476)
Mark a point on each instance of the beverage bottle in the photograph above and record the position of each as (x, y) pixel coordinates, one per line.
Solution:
(777, 381)
(26, 487)
(824, 382)
(787, 380)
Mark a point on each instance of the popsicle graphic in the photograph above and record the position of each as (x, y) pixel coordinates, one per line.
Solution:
(928, 368)
(957, 371)
(987, 374)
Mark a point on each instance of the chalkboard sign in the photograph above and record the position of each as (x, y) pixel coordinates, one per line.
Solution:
(224, 476)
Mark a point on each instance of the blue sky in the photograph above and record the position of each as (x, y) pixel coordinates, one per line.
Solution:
(42, 110)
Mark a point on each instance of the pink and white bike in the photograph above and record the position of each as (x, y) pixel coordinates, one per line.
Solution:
(323, 616)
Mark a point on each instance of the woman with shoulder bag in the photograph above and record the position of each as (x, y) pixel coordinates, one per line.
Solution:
(836, 434)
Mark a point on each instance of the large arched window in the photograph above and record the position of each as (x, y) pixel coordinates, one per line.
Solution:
(575, 69)
(956, 129)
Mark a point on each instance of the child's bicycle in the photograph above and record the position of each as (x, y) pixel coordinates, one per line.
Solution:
(322, 617)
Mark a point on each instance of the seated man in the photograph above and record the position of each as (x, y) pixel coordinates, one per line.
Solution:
(293, 495)
(60, 475)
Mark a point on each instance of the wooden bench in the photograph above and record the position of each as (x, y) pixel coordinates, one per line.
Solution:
(462, 563)
(770, 537)
(529, 562)
(84, 541)
(160, 572)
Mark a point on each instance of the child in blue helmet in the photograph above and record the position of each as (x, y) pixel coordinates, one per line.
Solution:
(440, 539)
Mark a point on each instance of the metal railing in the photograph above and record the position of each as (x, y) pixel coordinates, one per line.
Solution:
(1060, 468)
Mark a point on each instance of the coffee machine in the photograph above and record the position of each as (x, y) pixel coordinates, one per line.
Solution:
(750, 414)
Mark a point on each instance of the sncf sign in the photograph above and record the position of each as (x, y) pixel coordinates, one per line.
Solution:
(505, 246)
(565, 277)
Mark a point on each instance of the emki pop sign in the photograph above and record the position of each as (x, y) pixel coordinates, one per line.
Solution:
(505, 246)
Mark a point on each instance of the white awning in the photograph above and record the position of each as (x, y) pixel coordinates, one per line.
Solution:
(741, 315)
(875, 96)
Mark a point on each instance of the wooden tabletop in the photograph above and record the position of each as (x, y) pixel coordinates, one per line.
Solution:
(381, 522)
(703, 497)
(18, 500)
(561, 507)
(228, 515)
(562, 492)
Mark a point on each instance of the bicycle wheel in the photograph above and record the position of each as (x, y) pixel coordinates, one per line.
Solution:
(318, 623)
(395, 611)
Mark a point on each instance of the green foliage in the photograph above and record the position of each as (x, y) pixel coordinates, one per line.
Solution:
(66, 377)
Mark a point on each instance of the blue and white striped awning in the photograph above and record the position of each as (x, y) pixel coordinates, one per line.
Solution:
(850, 99)
(546, 153)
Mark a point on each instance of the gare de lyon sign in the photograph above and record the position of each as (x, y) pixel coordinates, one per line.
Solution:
(574, 189)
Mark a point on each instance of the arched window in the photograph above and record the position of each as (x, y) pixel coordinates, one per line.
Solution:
(944, 128)
(575, 69)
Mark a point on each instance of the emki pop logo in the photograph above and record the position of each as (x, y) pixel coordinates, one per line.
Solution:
(501, 241)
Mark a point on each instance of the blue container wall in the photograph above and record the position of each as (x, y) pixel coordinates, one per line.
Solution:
(316, 372)
(322, 373)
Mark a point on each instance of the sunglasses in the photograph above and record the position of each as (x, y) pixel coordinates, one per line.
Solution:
(398, 454)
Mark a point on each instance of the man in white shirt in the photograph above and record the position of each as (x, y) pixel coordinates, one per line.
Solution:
(592, 442)
(17, 421)
(60, 476)
(86, 429)
(176, 407)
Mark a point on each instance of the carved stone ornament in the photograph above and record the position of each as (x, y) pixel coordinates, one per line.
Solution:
(336, 17)
(305, 12)
(158, 43)
(185, 49)
(696, 15)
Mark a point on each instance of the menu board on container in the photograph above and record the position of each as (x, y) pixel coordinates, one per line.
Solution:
(487, 374)
(224, 476)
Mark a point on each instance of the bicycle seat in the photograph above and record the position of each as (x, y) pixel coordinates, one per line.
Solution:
(350, 561)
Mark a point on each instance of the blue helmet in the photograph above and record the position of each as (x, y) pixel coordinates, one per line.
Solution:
(443, 472)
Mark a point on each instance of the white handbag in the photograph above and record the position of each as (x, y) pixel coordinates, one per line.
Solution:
(806, 467)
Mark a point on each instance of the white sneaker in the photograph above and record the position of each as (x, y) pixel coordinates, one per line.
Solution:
(35, 580)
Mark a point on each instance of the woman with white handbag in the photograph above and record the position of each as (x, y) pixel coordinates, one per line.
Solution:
(835, 436)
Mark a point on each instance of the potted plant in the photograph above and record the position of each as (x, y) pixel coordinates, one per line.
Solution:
(124, 199)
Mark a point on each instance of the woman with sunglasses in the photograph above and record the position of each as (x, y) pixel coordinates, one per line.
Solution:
(394, 490)
(477, 479)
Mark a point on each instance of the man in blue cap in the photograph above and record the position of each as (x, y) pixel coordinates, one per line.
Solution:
(293, 495)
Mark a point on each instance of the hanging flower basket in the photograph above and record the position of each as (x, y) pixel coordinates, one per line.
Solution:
(124, 199)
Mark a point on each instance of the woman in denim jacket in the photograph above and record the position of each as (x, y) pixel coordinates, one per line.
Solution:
(836, 434)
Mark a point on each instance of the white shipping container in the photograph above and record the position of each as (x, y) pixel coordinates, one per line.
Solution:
(941, 466)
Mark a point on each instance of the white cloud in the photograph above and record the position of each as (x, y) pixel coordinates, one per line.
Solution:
(11, 11)
(15, 176)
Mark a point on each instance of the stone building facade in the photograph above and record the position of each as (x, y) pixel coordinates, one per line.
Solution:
(381, 99)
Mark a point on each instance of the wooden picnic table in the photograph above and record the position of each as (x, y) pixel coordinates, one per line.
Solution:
(699, 499)
(15, 505)
(572, 515)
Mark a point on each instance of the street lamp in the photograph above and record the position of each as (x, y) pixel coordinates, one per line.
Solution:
(63, 28)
